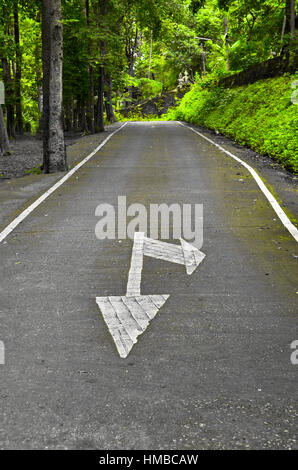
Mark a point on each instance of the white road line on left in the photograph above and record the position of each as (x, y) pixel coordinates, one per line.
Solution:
(50, 191)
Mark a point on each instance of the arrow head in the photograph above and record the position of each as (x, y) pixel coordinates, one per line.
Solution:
(127, 317)
(193, 257)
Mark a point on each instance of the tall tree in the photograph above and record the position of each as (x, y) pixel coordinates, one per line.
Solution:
(103, 8)
(290, 16)
(54, 154)
(10, 96)
(7, 50)
(227, 41)
(4, 142)
(91, 73)
(150, 53)
(18, 73)
(38, 75)
(108, 103)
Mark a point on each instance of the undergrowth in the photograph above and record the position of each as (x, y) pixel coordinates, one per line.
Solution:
(260, 115)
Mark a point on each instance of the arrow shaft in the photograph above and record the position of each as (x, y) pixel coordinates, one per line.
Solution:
(154, 249)
(163, 250)
(184, 254)
(135, 272)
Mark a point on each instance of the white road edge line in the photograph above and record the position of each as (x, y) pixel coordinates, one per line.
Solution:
(59, 183)
(276, 207)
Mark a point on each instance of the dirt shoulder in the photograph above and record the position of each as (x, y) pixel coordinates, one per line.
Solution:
(18, 187)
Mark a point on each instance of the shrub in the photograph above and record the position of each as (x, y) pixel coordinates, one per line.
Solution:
(260, 115)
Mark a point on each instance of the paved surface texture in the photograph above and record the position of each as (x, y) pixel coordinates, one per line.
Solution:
(17, 193)
(212, 371)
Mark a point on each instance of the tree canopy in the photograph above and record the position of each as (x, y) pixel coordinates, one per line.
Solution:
(117, 51)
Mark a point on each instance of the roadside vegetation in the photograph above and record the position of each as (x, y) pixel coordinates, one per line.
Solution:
(76, 65)
(260, 115)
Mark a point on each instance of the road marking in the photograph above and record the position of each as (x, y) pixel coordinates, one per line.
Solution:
(136, 266)
(186, 254)
(2, 353)
(57, 185)
(127, 317)
(276, 207)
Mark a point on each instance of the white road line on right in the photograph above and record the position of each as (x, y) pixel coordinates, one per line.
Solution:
(276, 207)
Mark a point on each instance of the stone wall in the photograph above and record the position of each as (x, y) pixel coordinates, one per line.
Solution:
(155, 106)
(268, 69)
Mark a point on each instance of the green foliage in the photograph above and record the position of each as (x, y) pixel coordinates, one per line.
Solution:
(260, 115)
(149, 88)
(137, 39)
(30, 38)
(136, 116)
(254, 32)
(34, 171)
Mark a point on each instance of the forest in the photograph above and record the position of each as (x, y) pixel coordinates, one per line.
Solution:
(75, 65)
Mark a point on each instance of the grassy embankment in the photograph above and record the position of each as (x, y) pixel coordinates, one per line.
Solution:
(261, 115)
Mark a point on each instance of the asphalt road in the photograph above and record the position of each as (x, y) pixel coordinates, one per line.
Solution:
(212, 371)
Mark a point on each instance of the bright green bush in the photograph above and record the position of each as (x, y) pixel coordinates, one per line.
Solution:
(136, 116)
(149, 88)
(260, 115)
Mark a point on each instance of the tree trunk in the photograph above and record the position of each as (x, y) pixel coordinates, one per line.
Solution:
(227, 42)
(100, 101)
(282, 33)
(18, 75)
(203, 59)
(150, 54)
(71, 113)
(103, 6)
(83, 117)
(92, 100)
(54, 155)
(4, 142)
(38, 75)
(66, 117)
(91, 73)
(109, 103)
(292, 18)
(76, 116)
(9, 91)
(290, 14)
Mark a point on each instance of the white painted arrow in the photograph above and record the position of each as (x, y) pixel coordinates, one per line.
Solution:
(185, 254)
(128, 316)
